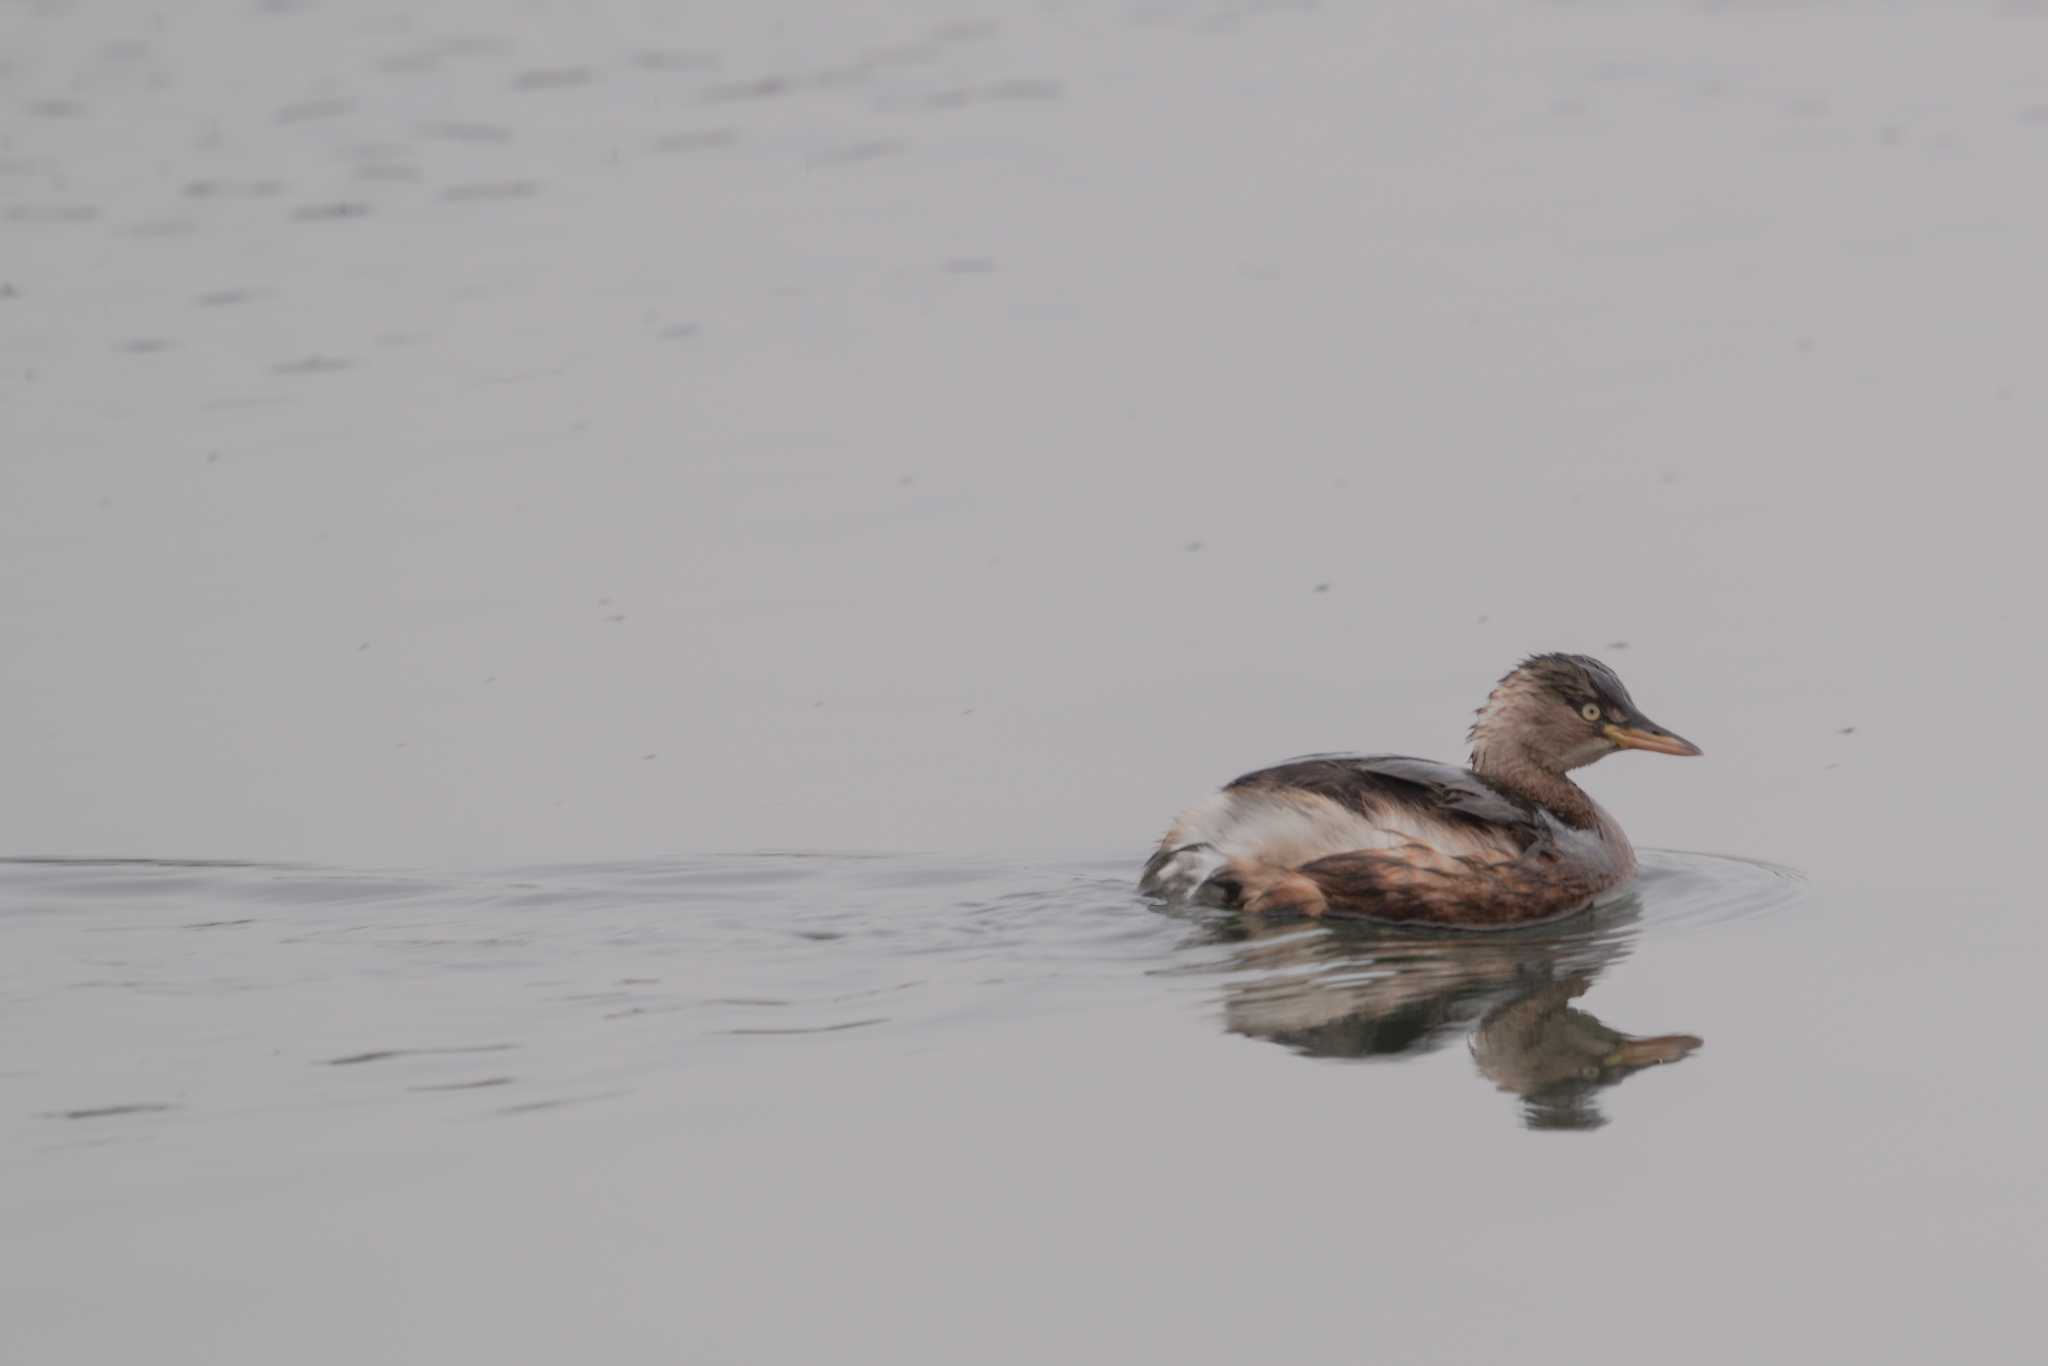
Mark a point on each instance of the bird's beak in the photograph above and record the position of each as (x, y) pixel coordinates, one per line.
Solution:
(1645, 734)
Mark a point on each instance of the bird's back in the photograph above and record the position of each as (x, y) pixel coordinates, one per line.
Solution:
(1385, 836)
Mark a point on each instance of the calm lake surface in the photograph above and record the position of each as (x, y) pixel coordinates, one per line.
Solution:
(762, 1107)
(466, 469)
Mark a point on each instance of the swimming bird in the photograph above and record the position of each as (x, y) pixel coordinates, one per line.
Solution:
(1507, 841)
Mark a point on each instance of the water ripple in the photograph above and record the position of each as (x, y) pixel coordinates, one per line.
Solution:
(604, 975)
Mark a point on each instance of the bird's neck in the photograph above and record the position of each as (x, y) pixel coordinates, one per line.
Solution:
(1520, 773)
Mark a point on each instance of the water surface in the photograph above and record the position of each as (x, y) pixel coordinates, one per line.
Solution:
(927, 1096)
(612, 972)
(568, 441)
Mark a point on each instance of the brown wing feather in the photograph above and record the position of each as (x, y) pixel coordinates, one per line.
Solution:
(1370, 783)
(1417, 884)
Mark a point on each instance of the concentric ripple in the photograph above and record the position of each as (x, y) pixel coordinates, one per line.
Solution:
(1691, 891)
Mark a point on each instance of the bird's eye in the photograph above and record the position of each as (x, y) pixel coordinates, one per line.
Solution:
(1591, 711)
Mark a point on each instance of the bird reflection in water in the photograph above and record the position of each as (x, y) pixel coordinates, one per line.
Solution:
(1351, 990)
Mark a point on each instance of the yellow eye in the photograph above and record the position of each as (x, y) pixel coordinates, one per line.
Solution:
(1591, 711)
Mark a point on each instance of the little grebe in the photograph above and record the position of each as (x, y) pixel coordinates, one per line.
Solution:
(1510, 840)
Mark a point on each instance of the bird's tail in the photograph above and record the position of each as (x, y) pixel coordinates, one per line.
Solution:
(1182, 873)
(1200, 875)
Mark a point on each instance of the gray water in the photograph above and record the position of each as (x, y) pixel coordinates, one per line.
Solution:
(466, 468)
(782, 1105)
